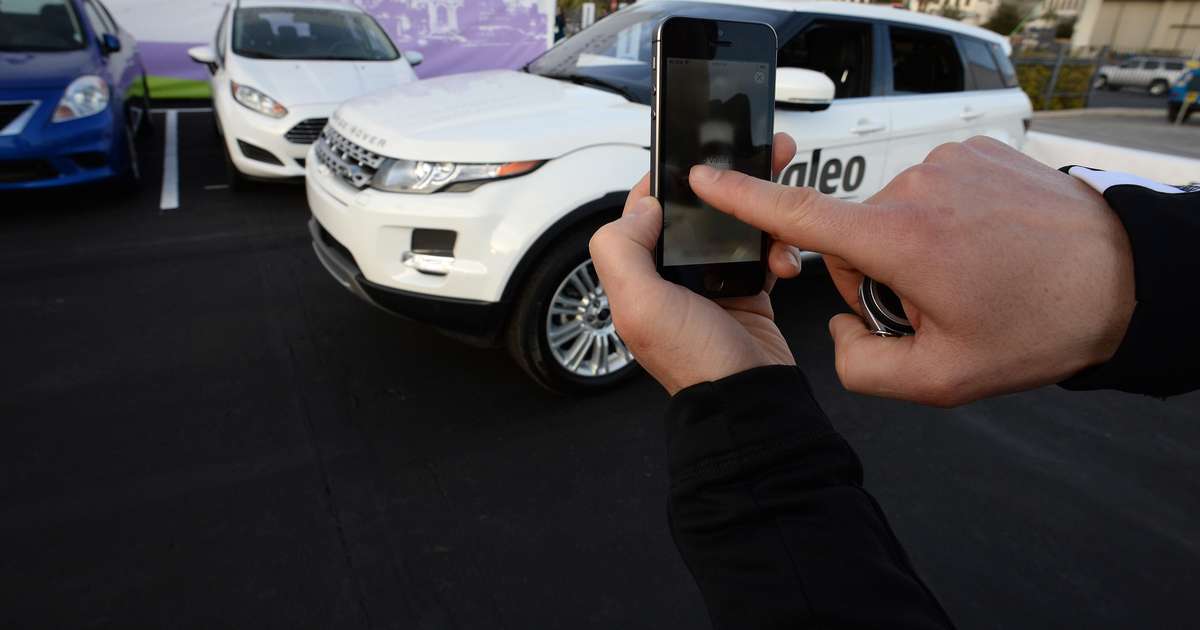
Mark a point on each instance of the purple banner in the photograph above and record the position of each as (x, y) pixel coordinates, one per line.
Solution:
(465, 35)
(453, 35)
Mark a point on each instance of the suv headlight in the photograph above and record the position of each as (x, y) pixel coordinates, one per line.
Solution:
(86, 96)
(251, 98)
(414, 176)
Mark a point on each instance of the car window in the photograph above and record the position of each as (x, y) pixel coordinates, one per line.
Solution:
(96, 18)
(1151, 65)
(840, 49)
(1007, 71)
(982, 65)
(924, 62)
(616, 51)
(1173, 65)
(221, 33)
(1132, 63)
(38, 26)
(108, 17)
(304, 33)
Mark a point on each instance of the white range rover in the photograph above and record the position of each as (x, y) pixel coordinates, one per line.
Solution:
(467, 201)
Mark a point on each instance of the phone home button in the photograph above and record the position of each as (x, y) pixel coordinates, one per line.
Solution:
(713, 282)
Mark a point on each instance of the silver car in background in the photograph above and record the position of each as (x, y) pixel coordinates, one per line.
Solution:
(1153, 74)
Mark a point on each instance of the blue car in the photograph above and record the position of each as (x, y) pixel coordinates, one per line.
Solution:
(1188, 83)
(67, 116)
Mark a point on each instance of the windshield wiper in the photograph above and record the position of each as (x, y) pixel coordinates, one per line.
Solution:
(254, 54)
(583, 79)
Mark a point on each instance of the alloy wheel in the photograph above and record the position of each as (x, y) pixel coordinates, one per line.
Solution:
(579, 326)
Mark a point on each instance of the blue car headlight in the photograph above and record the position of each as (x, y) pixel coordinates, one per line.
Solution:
(86, 96)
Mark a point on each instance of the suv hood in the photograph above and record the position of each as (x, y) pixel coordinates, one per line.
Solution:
(492, 116)
(23, 70)
(320, 82)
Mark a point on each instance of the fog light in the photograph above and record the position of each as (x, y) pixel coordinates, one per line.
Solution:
(428, 264)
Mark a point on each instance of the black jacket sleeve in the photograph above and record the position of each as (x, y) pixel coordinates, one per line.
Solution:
(1162, 344)
(768, 511)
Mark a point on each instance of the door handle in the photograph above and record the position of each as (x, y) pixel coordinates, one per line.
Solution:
(969, 114)
(866, 126)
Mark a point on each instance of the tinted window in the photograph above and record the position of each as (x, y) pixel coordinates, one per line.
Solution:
(982, 66)
(99, 24)
(1132, 63)
(1006, 68)
(924, 62)
(287, 33)
(1173, 65)
(39, 25)
(841, 50)
(1151, 65)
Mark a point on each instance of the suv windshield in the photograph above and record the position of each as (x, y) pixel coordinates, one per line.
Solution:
(39, 25)
(615, 52)
(287, 33)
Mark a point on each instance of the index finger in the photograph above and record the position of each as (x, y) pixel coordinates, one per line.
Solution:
(798, 216)
(783, 149)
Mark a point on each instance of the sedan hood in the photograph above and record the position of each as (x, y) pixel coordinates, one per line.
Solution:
(21, 70)
(319, 82)
(493, 116)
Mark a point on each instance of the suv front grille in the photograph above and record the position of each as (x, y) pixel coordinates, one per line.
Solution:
(307, 131)
(352, 163)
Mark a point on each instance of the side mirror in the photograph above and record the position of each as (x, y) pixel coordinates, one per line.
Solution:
(110, 43)
(203, 54)
(413, 58)
(806, 90)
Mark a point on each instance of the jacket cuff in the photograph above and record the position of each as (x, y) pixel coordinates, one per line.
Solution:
(715, 424)
(1163, 224)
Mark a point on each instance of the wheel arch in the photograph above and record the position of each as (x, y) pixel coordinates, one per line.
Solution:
(607, 206)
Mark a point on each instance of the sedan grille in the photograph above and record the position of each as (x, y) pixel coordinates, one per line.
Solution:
(306, 132)
(352, 163)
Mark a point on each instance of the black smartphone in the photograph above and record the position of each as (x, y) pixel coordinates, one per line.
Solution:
(713, 103)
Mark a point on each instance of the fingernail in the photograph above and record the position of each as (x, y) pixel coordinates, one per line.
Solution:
(794, 256)
(643, 205)
(703, 173)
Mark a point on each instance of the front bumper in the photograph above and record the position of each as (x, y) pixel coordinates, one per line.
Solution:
(49, 155)
(478, 322)
(271, 154)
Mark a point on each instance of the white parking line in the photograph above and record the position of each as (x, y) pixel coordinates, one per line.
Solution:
(170, 184)
(182, 110)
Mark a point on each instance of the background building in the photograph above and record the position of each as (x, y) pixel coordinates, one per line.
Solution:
(1168, 26)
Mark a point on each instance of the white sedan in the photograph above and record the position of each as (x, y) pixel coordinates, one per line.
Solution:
(279, 69)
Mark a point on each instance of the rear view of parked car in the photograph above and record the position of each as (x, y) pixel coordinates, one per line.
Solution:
(1153, 74)
(68, 114)
(279, 69)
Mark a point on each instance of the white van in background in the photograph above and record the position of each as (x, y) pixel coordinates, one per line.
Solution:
(280, 67)
(472, 211)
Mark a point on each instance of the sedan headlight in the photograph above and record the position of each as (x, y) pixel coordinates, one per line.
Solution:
(414, 176)
(86, 96)
(257, 101)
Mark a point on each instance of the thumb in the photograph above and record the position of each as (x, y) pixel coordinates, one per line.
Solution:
(868, 364)
(623, 251)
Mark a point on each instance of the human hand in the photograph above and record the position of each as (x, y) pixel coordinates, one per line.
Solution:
(1013, 274)
(679, 337)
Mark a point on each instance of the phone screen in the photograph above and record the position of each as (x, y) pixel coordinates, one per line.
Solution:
(720, 115)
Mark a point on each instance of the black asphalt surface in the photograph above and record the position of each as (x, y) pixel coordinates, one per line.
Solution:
(201, 429)
(1127, 97)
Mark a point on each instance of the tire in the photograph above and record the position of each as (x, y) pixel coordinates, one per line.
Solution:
(1172, 112)
(1101, 83)
(549, 363)
(1158, 87)
(130, 181)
